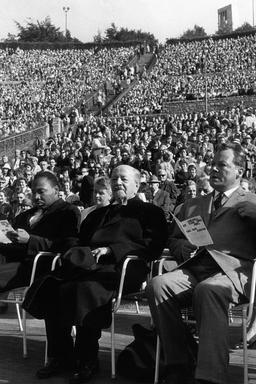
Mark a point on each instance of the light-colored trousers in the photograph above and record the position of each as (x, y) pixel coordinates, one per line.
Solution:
(210, 298)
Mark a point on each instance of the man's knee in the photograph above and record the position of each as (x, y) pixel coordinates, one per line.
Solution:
(208, 289)
(161, 287)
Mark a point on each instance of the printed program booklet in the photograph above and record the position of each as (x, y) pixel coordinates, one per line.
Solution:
(5, 227)
(195, 231)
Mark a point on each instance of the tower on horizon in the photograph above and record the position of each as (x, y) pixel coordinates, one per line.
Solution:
(227, 18)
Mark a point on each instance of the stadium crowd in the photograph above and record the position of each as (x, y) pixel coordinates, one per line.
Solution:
(168, 150)
(96, 160)
(36, 85)
(182, 70)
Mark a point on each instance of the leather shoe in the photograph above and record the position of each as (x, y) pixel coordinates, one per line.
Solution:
(251, 343)
(85, 374)
(54, 367)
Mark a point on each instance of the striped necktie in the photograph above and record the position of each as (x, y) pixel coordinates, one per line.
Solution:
(219, 201)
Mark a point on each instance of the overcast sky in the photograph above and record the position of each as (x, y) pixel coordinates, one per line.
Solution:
(163, 18)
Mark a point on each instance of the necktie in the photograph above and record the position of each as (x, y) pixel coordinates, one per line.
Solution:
(219, 201)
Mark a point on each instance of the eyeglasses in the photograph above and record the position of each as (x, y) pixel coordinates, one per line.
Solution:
(162, 175)
(203, 190)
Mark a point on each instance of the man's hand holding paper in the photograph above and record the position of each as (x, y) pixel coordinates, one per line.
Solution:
(188, 250)
(19, 236)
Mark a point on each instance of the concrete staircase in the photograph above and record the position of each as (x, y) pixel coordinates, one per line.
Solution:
(145, 62)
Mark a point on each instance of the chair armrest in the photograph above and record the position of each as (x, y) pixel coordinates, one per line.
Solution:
(164, 257)
(53, 256)
(56, 258)
(252, 293)
(121, 284)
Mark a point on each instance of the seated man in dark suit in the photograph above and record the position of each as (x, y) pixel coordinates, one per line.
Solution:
(212, 277)
(83, 297)
(51, 225)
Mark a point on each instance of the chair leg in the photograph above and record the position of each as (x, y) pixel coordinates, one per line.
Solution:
(137, 307)
(24, 333)
(156, 378)
(45, 352)
(245, 351)
(73, 331)
(113, 357)
(19, 316)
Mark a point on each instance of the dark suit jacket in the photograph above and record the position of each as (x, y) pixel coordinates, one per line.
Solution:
(138, 228)
(234, 240)
(57, 231)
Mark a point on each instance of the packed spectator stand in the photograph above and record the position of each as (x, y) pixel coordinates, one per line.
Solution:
(39, 85)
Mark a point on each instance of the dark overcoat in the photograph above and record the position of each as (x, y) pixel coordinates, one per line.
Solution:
(56, 231)
(137, 228)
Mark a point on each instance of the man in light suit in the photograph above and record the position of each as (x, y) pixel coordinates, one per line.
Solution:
(211, 278)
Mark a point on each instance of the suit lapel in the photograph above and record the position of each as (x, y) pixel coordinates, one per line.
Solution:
(207, 208)
(49, 211)
(236, 197)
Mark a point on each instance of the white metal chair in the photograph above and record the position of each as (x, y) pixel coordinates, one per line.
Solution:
(165, 256)
(246, 313)
(116, 302)
(16, 296)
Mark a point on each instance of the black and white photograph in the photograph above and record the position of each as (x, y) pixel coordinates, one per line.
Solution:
(128, 191)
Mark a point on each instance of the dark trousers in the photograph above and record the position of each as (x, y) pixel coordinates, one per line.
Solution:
(86, 345)
(62, 347)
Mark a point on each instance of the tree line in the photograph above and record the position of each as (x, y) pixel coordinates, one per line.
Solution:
(46, 31)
